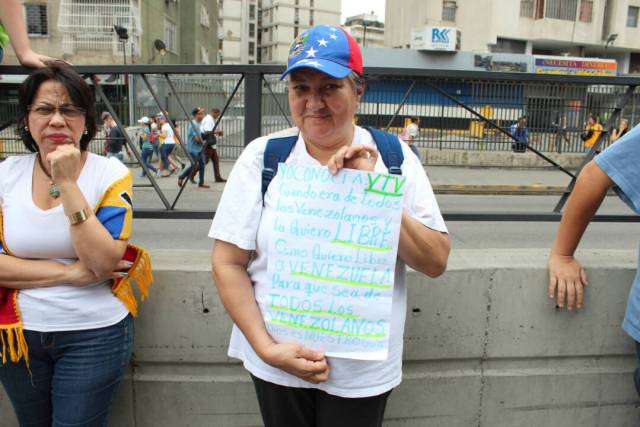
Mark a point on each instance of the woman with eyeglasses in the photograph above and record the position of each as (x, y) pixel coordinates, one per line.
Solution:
(65, 216)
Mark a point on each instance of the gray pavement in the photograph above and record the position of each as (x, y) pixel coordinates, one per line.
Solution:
(191, 234)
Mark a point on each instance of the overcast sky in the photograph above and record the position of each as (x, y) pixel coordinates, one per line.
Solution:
(355, 7)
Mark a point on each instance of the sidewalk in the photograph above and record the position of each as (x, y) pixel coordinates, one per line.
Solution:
(444, 179)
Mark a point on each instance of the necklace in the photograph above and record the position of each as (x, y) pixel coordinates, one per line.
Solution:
(54, 190)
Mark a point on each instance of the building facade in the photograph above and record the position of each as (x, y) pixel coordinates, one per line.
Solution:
(367, 29)
(282, 21)
(238, 23)
(157, 31)
(583, 28)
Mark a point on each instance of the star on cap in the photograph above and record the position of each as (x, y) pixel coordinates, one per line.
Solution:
(333, 29)
(322, 42)
(333, 36)
(311, 53)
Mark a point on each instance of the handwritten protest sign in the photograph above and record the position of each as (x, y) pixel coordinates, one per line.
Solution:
(332, 259)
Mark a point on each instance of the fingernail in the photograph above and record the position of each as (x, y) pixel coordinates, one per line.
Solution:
(122, 274)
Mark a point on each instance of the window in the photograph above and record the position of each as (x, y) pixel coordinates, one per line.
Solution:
(526, 8)
(561, 9)
(252, 48)
(449, 10)
(204, 16)
(252, 11)
(586, 10)
(252, 30)
(36, 19)
(170, 36)
(632, 16)
(509, 46)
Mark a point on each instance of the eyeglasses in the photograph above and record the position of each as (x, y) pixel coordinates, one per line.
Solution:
(69, 112)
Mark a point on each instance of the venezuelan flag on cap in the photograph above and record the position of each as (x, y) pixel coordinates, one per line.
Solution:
(325, 48)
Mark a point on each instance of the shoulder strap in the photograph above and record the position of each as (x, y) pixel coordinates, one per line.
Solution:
(277, 150)
(389, 148)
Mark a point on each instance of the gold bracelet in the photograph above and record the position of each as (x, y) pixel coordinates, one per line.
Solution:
(79, 217)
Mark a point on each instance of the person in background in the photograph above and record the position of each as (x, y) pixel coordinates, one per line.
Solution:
(115, 139)
(13, 30)
(410, 134)
(168, 143)
(155, 141)
(560, 125)
(520, 132)
(592, 131)
(615, 166)
(195, 149)
(66, 324)
(178, 139)
(297, 385)
(210, 137)
(146, 146)
(620, 131)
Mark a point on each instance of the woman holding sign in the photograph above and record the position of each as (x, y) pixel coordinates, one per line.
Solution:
(292, 321)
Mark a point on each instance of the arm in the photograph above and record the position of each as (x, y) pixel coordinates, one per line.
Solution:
(229, 271)
(95, 247)
(567, 278)
(11, 17)
(18, 273)
(422, 248)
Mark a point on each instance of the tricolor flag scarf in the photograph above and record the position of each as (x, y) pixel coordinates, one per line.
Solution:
(114, 211)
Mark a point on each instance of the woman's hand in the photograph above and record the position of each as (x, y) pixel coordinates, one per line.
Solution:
(66, 164)
(79, 275)
(295, 359)
(567, 280)
(353, 157)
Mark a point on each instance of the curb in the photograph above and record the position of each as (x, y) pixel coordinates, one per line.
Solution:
(499, 189)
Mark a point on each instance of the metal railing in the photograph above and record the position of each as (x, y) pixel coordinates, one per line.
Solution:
(463, 110)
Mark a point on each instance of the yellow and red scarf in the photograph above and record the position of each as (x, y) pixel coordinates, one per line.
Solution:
(114, 211)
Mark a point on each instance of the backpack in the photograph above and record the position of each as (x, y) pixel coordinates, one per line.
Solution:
(278, 150)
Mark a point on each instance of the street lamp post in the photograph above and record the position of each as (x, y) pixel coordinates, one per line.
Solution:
(612, 37)
(123, 36)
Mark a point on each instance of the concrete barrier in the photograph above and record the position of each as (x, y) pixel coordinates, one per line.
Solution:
(435, 157)
(483, 347)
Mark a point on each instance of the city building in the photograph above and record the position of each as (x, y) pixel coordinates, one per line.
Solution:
(367, 29)
(238, 31)
(148, 31)
(574, 28)
(282, 21)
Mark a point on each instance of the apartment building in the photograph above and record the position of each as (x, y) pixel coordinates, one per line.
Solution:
(238, 31)
(157, 31)
(583, 28)
(282, 21)
(366, 29)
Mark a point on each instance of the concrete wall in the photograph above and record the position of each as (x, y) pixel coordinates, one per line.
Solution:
(435, 157)
(483, 347)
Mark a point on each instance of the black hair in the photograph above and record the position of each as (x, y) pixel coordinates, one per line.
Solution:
(78, 90)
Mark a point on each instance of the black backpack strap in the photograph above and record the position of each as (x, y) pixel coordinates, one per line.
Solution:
(389, 148)
(276, 151)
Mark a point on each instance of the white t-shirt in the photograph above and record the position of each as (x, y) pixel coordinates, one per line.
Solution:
(413, 130)
(207, 124)
(33, 233)
(240, 219)
(168, 132)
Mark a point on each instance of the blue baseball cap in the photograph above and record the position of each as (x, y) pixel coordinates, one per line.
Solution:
(325, 48)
